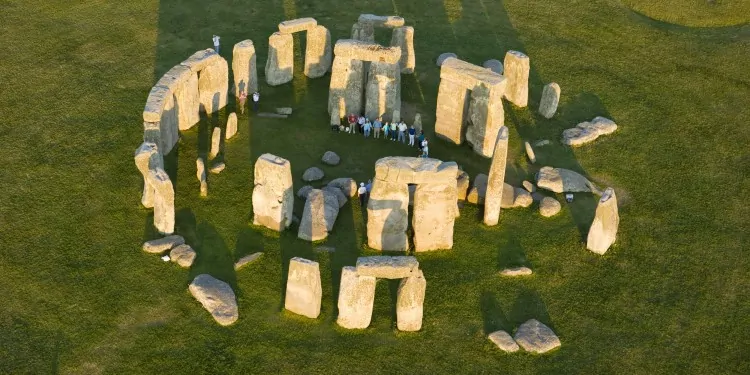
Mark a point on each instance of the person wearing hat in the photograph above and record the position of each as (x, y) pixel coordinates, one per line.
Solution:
(362, 192)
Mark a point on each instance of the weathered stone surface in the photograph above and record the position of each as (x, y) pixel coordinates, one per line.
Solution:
(313, 174)
(503, 341)
(280, 63)
(444, 56)
(603, 230)
(217, 297)
(434, 216)
(409, 170)
(201, 59)
(517, 271)
(303, 288)
(517, 71)
(188, 102)
(147, 157)
(215, 143)
(299, 24)
(403, 37)
(496, 179)
(319, 215)
(478, 189)
(341, 198)
(535, 337)
(273, 197)
(356, 298)
(561, 180)
(347, 84)
(587, 132)
(346, 184)
(410, 302)
(213, 85)
(245, 68)
(462, 185)
(247, 259)
(173, 103)
(549, 207)
(163, 244)
(387, 216)
(522, 198)
(324, 249)
(364, 32)
(387, 267)
(542, 142)
(494, 65)
(529, 186)
(200, 173)
(550, 100)
(383, 90)
(391, 22)
(284, 111)
(164, 133)
(396, 116)
(331, 158)
(163, 200)
(304, 191)
(271, 115)
(366, 51)
(231, 125)
(418, 122)
(184, 255)
(318, 53)
(217, 168)
(530, 152)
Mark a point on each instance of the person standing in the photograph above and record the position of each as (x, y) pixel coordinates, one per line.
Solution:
(361, 123)
(362, 192)
(351, 119)
(386, 129)
(243, 99)
(402, 132)
(425, 149)
(216, 43)
(367, 128)
(256, 99)
(420, 139)
(412, 133)
(377, 125)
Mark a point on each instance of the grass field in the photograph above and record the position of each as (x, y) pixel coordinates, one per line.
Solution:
(79, 296)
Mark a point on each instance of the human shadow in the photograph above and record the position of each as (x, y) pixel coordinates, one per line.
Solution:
(492, 314)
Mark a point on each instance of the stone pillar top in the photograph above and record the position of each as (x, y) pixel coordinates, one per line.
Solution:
(366, 51)
(299, 24)
(469, 75)
(381, 21)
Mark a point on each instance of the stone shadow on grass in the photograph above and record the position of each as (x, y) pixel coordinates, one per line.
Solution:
(510, 252)
(492, 314)
(344, 239)
(212, 254)
(529, 305)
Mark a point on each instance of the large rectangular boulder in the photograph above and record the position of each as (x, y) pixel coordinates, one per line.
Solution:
(387, 216)
(280, 63)
(319, 215)
(387, 267)
(434, 216)
(273, 195)
(318, 52)
(403, 38)
(383, 93)
(366, 51)
(356, 298)
(517, 72)
(213, 85)
(346, 86)
(245, 68)
(410, 302)
(303, 288)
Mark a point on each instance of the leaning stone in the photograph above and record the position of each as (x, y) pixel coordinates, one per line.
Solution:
(280, 63)
(304, 191)
(356, 297)
(603, 230)
(478, 190)
(495, 180)
(244, 68)
(410, 302)
(273, 197)
(518, 271)
(549, 207)
(587, 132)
(387, 267)
(247, 259)
(284, 111)
(535, 337)
(217, 168)
(299, 24)
(200, 173)
(550, 99)
(403, 37)
(318, 53)
(231, 125)
(215, 143)
(159, 180)
(494, 65)
(530, 152)
(443, 57)
(529, 186)
(341, 198)
(561, 180)
(313, 174)
(163, 244)
(319, 215)
(462, 185)
(503, 341)
(346, 184)
(303, 288)
(330, 158)
(517, 73)
(184, 255)
(217, 297)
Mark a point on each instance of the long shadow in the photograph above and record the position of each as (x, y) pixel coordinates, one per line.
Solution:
(529, 305)
(510, 253)
(344, 237)
(492, 314)
(212, 254)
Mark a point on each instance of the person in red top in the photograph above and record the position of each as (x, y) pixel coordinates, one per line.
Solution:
(352, 119)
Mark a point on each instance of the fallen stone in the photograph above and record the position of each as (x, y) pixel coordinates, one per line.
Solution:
(518, 271)
(517, 74)
(549, 207)
(217, 168)
(247, 259)
(550, 99)
(319, 215)
(215, 143)
(273, 197)
(443, 57)
(535, 337)
(347, 185)
(356, 297)
(304, 191)
(217, 297)
(603, 230)
(529, 186)
(325, 249)
(313, 174)
(303, 288)
(494, 65)
(271, 115)
(530, 152)
(478, 190)
(542, 142)
(163, 244)
(586, 132)
(410, 302)
(284, 111)
(231, 126)
(387, 267)
(331, 158)
(184, 255)
(561, 180)
(503, 341)
(341, 198)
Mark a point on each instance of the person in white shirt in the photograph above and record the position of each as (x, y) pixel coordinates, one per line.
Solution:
(216, 43)
(425, 150)
(402, 132)
(361, 123)
(362, 192)
(256, 99)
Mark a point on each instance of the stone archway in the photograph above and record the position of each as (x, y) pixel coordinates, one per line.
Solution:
(280, 63)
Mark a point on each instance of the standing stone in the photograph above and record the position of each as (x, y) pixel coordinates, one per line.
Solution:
(517, 73)
(387, 216)
(319, 215)
(347, 82)
(496, 179)
(494, 65)
(444, 56)
(244, 68)
(487, 117)
(535, 337)
(462, 185)
(318, 53)
(200, 173)
(503, 341)
(215, 142)
(217, 297)
(356, 298)
(213, 85)
(303, 288)
(383, 93)
(187, 98)
(410, 302)
(418, 123)
(231, 125)
(530, 152)
(549, 207)
(396, 117)
(403, 37)
(146, 157)
(363, 31)
(550, 99)
(163, 200)
(450, 114)
(434, 216)
(603, 230)
(273, 197)
(280, 63)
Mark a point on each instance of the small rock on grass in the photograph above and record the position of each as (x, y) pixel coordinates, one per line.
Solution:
(518, 271)
(325, 249)
(284, 111)
(247, 259)
(331, 158)
(549, 207)
(503, 341)
(535, 337)
(313, 174)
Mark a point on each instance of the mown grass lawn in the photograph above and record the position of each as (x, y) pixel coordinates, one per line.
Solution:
(79, 296)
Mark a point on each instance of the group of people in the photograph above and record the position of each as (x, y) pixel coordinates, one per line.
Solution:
(396, 131)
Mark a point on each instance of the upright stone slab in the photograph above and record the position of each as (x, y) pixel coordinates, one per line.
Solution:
(603, 230)
(387, 216)
(356, 299)
(273, 197)
(245, 68)
(403, 37)
(213, 85)
(517, 72)
(163, 200)
(303, 288)
(200, 173)
(487, 117)
(364, 32)
(383, 94)
(318, 53)
(147, 157)
(347, 83)
(550, 99)
(215, 142)
(451, 111)
(319, 215)
(231, 126)
(434, 215)
(496, 179)
(188, 101)
(410, 302)
(462, 185)
(280, 63)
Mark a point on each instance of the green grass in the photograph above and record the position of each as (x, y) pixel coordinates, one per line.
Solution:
(79, 296)
(695, 13)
